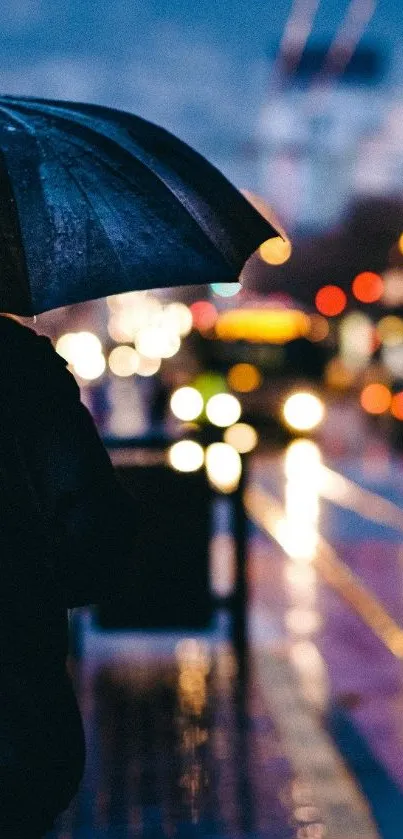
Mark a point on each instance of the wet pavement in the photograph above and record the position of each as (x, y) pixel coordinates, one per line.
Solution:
(180, 746)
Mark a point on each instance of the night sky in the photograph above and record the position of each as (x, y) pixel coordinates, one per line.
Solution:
(198, 68)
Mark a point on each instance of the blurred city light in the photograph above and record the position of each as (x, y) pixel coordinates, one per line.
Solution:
(123, 361)
(186, 403)
(302, 457)
(244, 378)
(303, 411)
(223, 409)
(400, 243)
(224, 467)
(318, 328)
(75, 345)
(156, 342)
(226, 289)
(204, 315)
(83, 350)
(148, 366)
(338, 375)
(90, 367)
(392, 357)
(65, 346)
(242, 436)
(375, 398)
(275, 251)
(297, 532)
(186, 456)
(390, 330)
(330, 300)
(396, 407)
(356, 338)
(393, 287)
(367, 287)
(178, 318)
(275, 326)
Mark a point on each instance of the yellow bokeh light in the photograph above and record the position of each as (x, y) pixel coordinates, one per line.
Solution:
(303, 411)
(244, 378)
(123, 361)
(275, 326)
(186, 403)
(224, 467)
(186, 456)
(223, 409)
(242, 437)
(275, 251)
(390, 330)
(400, 243)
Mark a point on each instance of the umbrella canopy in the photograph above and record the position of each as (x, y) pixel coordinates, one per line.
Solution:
(94, 201)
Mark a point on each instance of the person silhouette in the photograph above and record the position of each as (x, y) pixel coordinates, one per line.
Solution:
(66, 524)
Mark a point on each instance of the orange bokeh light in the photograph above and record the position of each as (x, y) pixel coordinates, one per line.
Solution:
(396, 408)
(376, 398)
(367, 287)
(330, 300)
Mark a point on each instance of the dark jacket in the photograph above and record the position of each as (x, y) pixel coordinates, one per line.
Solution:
(66, 538)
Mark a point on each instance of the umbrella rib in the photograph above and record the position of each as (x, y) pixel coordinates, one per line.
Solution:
(59, 115)
(88, 198)
(19, 120)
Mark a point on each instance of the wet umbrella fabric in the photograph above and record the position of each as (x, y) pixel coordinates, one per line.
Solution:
(94, 201)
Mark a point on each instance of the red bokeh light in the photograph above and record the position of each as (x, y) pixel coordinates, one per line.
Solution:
(330, 300)
(204, 315)
(367, 287)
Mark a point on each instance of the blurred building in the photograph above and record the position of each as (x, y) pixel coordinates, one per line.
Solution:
(331, 128)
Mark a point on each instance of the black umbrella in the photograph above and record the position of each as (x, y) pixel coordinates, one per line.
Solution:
(94, 202)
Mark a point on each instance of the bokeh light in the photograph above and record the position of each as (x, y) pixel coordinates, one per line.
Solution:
(356, 339)
(177, 318)
(400, 243)
(318, 328)
(148, 366)
(242, 436)
(224, 467)
(186, 403)
(367, 287)
(303, 411)
(396, 407)
(275, 251)
(186, 456)
(375, 398)
(223, 409)
(330, 300)
(90, 367)
(226, 289)
(65, 346)
(338, 375)
(123, 361)
(156, 342)
(204, 315)
(390, 330)
(244, 378)
(261, 326)
(302, 457)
